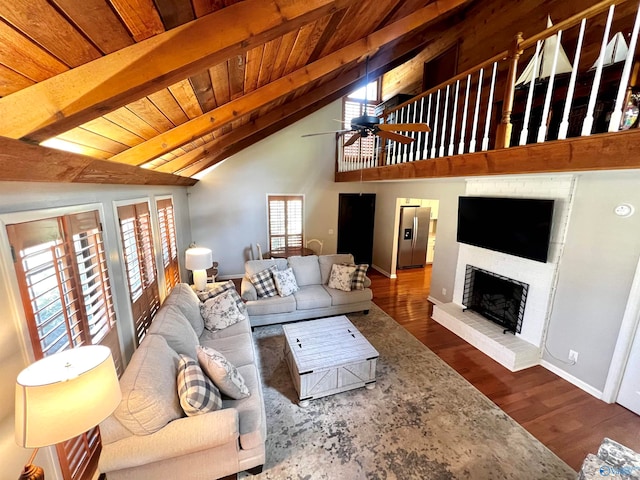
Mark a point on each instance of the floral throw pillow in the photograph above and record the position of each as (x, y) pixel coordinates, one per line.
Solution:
(223, 374)
(220, 312)
(341, 276)
(263, 281)
(285, 282)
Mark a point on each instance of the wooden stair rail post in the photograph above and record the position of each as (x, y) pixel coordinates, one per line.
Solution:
(503, 134)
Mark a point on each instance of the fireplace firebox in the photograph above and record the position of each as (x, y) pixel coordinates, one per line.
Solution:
(497, 298)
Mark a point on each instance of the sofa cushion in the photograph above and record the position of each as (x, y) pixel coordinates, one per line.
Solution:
(306, 269)
(252, 267)
(183, 297)
(222, 373)
(243, 326)
(250, 410)
(341, 277)
(148, 384)
(338, 297)
(238, 349)
(285, 282)
(267, 306)
(220, 311)
(197, 392)
(263, 282)
(326, 261)
(312, 296)
(171, 324)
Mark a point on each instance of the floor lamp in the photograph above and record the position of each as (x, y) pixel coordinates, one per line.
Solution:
(62, 396)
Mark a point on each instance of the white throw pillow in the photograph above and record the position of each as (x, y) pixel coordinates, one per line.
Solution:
(220, 312)
(285, 282)
(341, 277)
(222, 373)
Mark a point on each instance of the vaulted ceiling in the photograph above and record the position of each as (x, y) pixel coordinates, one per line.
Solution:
(175, 86)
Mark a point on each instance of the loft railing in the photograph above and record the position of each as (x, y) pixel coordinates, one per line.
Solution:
(467, 113)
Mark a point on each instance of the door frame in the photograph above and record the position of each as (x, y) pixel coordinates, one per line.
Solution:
(626, 336)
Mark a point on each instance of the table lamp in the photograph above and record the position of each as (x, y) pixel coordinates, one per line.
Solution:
(63, 396)
(198, 259)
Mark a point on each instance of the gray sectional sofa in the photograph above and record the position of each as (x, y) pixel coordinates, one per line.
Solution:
(148, 436)
(314, 298)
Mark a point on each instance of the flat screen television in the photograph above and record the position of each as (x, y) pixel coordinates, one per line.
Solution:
(517, 226)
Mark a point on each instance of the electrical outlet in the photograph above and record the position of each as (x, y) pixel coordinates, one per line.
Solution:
(573, 356)
(444, 291)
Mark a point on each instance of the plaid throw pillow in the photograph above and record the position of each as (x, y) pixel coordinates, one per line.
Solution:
(204, 295)
(197, 392)
(357, 282)
(263, 281)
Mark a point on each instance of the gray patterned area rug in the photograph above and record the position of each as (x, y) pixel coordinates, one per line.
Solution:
(422, 421)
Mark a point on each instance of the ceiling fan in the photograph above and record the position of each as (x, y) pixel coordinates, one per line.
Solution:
(366, 125)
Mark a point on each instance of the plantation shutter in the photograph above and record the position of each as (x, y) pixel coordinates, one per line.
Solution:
(137, 245)
(169, 244)
(285, 221)
(64, 284)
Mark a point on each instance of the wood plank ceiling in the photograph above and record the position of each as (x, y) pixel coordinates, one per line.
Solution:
(63, 64)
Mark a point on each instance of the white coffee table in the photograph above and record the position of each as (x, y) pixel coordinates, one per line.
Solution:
(328, 356)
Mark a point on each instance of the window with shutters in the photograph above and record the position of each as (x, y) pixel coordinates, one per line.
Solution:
(169, 244)
(61, 269)
(137, 247)
(285, 221)
(361, 102)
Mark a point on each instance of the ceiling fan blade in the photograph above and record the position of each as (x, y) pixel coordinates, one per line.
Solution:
(394, 136)
(353, 139)
(404, 127)
(325, 133)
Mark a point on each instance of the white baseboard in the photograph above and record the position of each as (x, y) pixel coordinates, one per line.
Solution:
(384, 272)
(435, 301)
(571, 379)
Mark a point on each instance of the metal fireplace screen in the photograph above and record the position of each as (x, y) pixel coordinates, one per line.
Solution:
(497, 298)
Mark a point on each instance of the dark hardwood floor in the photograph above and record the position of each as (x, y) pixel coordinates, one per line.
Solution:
(566, 419)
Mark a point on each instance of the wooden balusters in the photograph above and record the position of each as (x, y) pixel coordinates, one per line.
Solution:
(524, 134)
(503, 136)
(425, 152)
(435, 126)
(485, 138)
(474, 128)
(463, 127)
(542, 130)
(564, 124)
(454, 117)
(587, 125)
(444, 123)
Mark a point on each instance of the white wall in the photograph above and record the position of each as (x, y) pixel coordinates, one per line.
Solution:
(595, 274)
(228, 206)
(14, 355)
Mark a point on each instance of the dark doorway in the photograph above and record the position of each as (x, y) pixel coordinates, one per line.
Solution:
(355, 225)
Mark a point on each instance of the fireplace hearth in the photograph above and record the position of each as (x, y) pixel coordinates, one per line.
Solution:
(497, 298)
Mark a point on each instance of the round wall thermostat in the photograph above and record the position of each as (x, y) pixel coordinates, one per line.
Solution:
(624, 210)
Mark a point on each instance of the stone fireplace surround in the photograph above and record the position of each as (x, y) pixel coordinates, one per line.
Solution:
(524, 349)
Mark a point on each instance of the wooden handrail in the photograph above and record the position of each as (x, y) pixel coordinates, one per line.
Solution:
(496, 58)
(588, 13)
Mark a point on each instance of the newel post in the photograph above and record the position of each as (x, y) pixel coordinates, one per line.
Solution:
(503, 134)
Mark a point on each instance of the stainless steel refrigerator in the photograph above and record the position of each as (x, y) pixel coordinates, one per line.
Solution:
(413, 236)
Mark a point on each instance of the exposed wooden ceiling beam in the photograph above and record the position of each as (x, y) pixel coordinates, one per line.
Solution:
(23, 162)
(254, 131)
(260, 97)
(607, 151)
(67, 100)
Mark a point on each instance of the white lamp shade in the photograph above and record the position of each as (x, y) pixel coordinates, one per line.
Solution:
(64, 395)
(198, 258)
